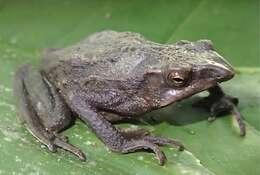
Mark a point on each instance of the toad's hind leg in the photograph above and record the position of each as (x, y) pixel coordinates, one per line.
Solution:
(41, 109)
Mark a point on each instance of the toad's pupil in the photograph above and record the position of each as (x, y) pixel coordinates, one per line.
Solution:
(177, 79)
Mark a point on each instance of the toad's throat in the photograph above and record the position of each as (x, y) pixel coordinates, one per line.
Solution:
(173, 95)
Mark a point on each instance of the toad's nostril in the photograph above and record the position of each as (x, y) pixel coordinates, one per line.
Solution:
(219, 77)
(221, 74)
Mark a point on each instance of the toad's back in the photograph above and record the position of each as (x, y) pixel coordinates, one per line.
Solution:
(107, 53)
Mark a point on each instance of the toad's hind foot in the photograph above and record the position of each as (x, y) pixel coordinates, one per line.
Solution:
(64, 144)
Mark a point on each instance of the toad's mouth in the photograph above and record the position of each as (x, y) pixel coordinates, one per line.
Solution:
(173, 95)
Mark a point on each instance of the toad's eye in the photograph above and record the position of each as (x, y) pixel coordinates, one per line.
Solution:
(176, 80)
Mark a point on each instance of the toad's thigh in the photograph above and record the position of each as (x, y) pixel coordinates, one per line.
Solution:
(49, 106)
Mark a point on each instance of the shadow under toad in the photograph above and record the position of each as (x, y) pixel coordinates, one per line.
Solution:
(179, 114)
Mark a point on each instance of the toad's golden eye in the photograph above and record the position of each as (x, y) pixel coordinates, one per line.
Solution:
(175, 79)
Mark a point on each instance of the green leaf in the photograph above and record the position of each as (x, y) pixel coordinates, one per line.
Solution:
(26, 27)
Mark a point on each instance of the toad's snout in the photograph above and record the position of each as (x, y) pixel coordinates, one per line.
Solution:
(219, 73)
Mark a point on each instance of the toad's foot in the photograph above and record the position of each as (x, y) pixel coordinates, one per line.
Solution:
(63, 143)
(134, 145)
(59, 141)
(146, 135)
(219, 103)
(141, 139)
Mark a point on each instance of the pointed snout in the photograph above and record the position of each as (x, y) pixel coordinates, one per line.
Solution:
(220, 73)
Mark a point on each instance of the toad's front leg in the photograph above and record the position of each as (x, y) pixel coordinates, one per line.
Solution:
(116, 140)
(218, 103)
